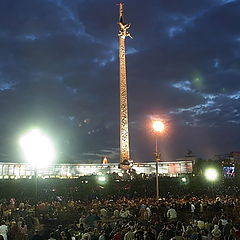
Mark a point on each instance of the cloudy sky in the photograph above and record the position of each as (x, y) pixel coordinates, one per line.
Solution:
(59, 72)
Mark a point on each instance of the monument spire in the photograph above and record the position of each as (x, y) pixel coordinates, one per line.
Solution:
(124, 134)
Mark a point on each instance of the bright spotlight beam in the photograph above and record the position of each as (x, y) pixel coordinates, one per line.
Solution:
(37, 149)
(211, 174)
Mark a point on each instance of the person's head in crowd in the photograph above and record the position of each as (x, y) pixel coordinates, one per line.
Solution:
(3, 222)
(52, 235)
(85, 237)
(62, 234)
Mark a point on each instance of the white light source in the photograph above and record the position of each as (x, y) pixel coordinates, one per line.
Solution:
(184, 179)
(211, 174)
(38, 150)
(158, 126)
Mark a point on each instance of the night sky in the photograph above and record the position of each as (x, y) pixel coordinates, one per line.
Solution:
(59, 72)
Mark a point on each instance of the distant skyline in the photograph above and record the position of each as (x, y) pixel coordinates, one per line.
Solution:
(59, 71)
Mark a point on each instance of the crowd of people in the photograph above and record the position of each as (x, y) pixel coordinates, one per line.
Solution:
(190, 218)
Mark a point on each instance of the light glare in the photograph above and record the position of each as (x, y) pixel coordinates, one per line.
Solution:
(184, 179)
(102, 179)
(37, 148)
(158, 126)
(211, 174)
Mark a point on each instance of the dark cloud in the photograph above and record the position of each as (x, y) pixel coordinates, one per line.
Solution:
(59, 70)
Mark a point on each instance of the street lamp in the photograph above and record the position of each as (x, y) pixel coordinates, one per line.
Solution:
(37, 150)
(158, 127)
(183, 180)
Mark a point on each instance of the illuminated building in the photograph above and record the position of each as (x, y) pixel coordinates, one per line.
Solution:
(24, 170)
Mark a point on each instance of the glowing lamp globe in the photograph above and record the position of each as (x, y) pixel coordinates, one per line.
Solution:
(184, 179)
(158, 126)
(37, 149)
(211, 174)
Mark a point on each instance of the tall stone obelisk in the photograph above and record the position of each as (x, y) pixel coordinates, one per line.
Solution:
(124, 134)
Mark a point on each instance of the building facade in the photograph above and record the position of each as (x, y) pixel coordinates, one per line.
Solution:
(23, 170)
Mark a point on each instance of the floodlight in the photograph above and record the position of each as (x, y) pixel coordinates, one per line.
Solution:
(158, 126)
(38, 150)
(211, 174)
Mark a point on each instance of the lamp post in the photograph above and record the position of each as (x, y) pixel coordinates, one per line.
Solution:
(158, 127)
(37, 150)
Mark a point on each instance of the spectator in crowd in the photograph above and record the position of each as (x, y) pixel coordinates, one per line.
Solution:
(52, 237)
(172, 214)
(102, 235)
(216, 233)
(129, 235)
(4, 230)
